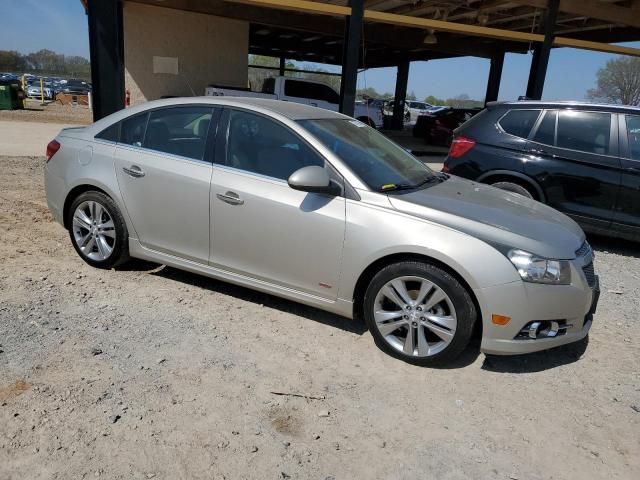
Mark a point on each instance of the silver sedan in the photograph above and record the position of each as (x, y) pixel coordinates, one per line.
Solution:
(319, 208)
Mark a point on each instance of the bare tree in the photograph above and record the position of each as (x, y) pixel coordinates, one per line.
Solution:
(618, 82)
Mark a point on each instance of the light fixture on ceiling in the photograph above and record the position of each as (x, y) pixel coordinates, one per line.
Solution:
(430, 38)
(483, 19)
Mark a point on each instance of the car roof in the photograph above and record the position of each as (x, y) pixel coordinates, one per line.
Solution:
(566, 105)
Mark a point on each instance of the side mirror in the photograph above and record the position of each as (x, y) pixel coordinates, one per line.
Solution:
(313, 179)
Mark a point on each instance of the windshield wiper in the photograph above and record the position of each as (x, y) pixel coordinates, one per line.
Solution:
(391, 187)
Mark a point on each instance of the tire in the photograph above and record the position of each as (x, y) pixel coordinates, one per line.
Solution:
(431, 344)
(515, 188)
(111, 238)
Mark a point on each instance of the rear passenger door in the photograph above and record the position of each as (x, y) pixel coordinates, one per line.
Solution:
(573, 156)
(163, 166)
(627, 216)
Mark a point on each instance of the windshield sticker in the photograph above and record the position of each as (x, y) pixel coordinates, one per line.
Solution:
(358, 123)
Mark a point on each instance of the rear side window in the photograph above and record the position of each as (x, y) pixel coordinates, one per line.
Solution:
(132, 130)
(546, 132)
(519, 122)
(633, 134)
(111, 134)
(179, 131)
(584, 131)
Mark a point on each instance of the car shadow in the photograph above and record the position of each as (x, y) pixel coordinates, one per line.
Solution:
(614, 245)
(253, 296)
(537, 362)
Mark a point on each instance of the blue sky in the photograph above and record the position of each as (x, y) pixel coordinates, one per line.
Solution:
(61, 25)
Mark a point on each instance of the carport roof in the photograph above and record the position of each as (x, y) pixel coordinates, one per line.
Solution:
(396, 29)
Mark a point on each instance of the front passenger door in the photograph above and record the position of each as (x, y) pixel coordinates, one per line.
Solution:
(262, 228)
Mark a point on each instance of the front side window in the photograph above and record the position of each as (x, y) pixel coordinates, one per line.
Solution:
(519, 122)
(379, 162)
(260, 145)
(179, 131)
(584, 131)
(633, 134)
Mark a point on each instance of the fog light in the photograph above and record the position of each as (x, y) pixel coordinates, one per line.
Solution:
(543, 329)
(500, 319)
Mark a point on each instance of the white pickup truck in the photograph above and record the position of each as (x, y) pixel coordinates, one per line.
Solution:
(302, 91)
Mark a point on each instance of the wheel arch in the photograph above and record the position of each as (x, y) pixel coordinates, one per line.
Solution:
(370, 271)
(515, 177)
(79, 190)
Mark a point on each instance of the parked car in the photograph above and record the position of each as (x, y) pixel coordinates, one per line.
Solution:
(74, 86)
(388, 110)
(436, 127)
(317, 207)
(579, 158)
(416, 109)
(306, 92)
(33, 90)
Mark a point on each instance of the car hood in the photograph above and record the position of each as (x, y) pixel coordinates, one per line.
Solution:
(500, 218)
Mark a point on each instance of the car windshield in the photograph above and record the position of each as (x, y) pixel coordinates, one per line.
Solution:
(380, 163)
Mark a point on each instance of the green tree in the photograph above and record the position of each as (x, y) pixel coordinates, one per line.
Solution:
(618, 82)
(11, 61)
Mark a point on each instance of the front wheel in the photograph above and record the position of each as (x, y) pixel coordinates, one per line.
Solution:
(98, 231)
(419, 313)
(514, 188)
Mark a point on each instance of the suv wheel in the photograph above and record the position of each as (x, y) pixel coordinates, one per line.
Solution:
(98, 231)
(419, 313)
(515, 188)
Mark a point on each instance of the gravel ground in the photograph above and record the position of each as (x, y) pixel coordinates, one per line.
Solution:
(149, 372)
(51, 112)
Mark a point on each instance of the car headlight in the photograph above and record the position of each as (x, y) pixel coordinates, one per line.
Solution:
(540, 270)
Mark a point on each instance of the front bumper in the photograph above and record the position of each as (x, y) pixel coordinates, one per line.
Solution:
(570, 305)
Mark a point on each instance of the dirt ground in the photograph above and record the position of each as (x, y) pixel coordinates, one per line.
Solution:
(51, 112)
(148, 372)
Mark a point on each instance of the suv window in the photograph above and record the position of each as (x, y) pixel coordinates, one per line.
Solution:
(633, 134)
(519, 122)
(260, 145)
(179, 131)
(584, 131)
(546, 132)
(132, 130)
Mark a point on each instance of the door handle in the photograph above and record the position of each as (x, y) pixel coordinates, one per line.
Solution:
(134, 171)
(232, 198)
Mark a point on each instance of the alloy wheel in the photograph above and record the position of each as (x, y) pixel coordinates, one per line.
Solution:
(415, 316)
(94, 231)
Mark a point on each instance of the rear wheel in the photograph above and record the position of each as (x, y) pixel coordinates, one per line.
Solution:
(98, 231)
(515, 188)
(419, 313)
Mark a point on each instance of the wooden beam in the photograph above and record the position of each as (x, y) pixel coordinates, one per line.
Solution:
(593, 9)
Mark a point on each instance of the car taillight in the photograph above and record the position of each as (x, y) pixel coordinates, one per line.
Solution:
(460, 146)
(52, 148)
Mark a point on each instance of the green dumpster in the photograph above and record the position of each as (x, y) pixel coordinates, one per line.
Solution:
(11, 95)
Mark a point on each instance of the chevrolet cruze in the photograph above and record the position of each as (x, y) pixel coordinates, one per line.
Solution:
(316, 207)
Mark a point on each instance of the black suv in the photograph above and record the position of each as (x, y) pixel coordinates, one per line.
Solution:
(579, 158)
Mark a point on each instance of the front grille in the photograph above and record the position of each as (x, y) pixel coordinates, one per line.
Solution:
(590, 274)
(583, 250)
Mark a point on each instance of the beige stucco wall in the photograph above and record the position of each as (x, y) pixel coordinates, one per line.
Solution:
(209, 50)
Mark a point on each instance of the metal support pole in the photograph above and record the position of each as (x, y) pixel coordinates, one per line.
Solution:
(495, 76)
(402, 79)
(351, 56)
(541, 53)
(106, 42)
(282, 66)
